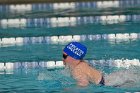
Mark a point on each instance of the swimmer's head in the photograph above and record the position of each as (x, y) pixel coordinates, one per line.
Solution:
(75, 50)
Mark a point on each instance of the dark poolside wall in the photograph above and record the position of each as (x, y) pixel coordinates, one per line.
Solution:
(43, 1)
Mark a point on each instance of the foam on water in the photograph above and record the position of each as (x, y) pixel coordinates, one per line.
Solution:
(124, 78)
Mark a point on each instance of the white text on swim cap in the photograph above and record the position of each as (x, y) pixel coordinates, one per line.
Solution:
(75, 49)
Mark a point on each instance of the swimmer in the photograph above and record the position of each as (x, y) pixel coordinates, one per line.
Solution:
(84, 74)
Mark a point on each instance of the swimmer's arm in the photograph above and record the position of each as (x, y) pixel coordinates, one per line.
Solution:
(82, 82)
(81, 78)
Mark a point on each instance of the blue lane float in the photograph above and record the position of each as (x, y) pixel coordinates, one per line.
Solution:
(117, 38)
(67, 21)
(10, 67)
(69, 5)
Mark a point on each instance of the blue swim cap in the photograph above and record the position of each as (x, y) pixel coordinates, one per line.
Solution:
(75, 50)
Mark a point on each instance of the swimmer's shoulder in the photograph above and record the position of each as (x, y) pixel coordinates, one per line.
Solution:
(83, 66)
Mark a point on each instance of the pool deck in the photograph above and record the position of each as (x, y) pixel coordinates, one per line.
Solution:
(43, 1)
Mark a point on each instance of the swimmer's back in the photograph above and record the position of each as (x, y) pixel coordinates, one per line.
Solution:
(92, 74)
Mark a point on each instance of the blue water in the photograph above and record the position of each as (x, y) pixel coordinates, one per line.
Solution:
(25, 49)
(41, 80)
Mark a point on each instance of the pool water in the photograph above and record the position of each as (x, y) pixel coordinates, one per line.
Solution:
(42, 80)
(31, 43)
